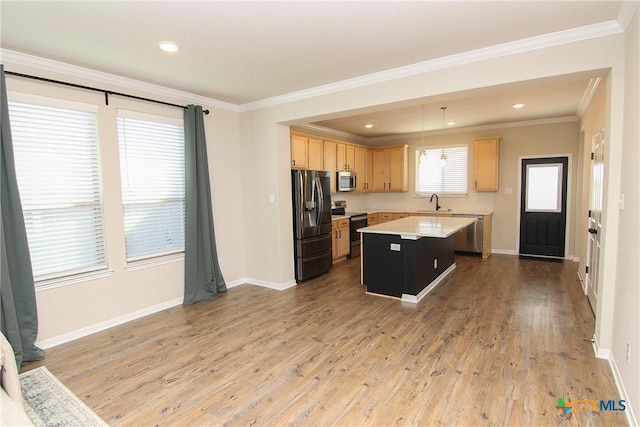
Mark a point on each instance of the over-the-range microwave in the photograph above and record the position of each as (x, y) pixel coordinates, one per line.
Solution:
(345, 181)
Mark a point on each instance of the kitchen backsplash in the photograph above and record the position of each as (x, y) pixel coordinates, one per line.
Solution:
(409, 202)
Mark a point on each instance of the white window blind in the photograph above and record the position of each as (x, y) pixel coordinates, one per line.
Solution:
(152, 164)
(442, 170)
(58, 173)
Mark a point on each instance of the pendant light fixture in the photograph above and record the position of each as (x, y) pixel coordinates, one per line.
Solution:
(443, 158)
(423, 153)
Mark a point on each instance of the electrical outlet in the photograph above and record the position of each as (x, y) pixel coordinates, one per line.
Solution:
(628, 352)
(435, 263)
(220, 261)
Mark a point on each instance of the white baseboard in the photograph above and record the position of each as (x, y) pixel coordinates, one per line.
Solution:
(603, 353)
(504, 251)
(583, 284)
(99, 327)
(262, 283)
(629, 411)
(416, 298)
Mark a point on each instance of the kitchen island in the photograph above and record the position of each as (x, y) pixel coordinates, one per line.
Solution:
(408, 257)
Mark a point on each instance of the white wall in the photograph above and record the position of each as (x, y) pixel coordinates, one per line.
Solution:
(74, 310)
(627, 282)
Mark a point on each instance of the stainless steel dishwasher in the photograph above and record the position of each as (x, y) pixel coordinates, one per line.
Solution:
(469, 239)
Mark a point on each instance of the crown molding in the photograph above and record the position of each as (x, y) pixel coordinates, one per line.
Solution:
(18, 58)
(328, 132)
(537, 122)
(625, 14)
(588, 95)
(533, 43)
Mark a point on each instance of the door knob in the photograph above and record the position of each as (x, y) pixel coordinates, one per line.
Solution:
(592, 231)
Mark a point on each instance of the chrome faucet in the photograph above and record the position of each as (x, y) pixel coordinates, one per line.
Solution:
(431, 200)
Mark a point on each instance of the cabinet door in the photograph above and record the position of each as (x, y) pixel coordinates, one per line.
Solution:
(316, 154)
(486, 164)
(345, 157)
(329, 149)
(379, 171)
(350, 154)
(396, 169)
(299, 152)
(384, 217)
(344, 241)
(399, 215)
(368, 174)
(360, 168)
(334, 240)
(341, 157)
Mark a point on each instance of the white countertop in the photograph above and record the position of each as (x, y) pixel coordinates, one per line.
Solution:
(414, 227)
(431, 211)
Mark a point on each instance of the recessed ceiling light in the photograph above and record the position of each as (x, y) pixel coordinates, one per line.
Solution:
(168, 46)
(519, 105)
(451, 123)
(368, 125)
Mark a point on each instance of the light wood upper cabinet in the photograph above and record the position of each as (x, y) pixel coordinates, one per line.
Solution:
(368, 179)
(299, 152)
(329, 150)
(486, 164)
(364, 169)
(390, 172)
(345, 157)
(316, 154)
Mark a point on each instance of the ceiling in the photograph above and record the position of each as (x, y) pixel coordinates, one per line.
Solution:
(246, 52)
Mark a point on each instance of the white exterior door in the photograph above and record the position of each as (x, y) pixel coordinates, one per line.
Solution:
(595, 219)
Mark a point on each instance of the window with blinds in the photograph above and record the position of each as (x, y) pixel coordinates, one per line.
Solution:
(152, 165)
(58, 173)
(442, 170)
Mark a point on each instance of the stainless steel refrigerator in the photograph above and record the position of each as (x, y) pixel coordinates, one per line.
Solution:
(311, 222)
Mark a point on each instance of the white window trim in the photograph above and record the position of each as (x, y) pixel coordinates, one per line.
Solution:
(156, 259)
(69, 277)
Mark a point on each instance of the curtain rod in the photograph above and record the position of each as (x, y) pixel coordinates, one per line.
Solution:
(95, 89)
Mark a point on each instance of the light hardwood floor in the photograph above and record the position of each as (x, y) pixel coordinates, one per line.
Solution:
(497, 343)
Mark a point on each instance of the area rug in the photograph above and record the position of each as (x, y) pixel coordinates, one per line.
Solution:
(49, 403)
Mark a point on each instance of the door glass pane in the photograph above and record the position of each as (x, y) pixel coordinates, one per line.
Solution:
(544, 188)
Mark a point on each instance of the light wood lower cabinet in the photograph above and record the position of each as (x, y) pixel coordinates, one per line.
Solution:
(341, 240)
(372, 219)
(384, 217)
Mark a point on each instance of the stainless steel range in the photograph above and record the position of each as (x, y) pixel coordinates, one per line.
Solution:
(356, 220)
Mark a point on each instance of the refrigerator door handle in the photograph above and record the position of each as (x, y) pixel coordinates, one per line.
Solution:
(300, 209)
(320, 207)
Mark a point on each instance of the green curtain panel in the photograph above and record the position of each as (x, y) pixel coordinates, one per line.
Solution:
(203, 277)
(19, 314)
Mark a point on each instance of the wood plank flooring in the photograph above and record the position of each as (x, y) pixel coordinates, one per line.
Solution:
(497, 343)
